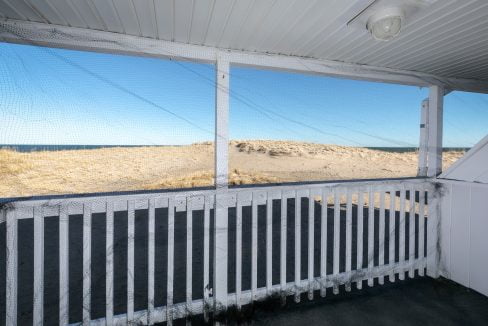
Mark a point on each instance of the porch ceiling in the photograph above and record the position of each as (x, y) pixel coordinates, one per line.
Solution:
(449, 38)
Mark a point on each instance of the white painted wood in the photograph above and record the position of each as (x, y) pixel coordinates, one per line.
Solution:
(370, 232)
(381, 230)
(101, 41)
(130, 261)
(421, 229)
(87, 224)
(38, 311)
(298, 245)
(222, 122)
(424, 138)
(472, 166)
(337, 239)
(433, 219)
(109, 263)
(206, 256)
(392, 230)
(436, 98)
(63, 265)
(238, 252)
(221, 250)
(150, 261)
(311, 233)
(189, 254)
(360, 233)
(411, 233)
(12, 268)
(348, 234)
(401, 243)
(323, 242)
(171, 251)
(269, 243)
(283, 224)
(254, 244)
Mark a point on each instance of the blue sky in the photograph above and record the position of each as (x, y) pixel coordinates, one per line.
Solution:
(53, 96)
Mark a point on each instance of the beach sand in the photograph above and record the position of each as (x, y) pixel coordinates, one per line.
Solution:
(143, 168)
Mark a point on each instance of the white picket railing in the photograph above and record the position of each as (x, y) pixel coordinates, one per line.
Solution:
(338, 202)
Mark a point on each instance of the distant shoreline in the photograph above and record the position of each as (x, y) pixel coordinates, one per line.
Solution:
(27, 148)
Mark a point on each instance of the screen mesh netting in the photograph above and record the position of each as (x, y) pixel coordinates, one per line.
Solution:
(85, 122)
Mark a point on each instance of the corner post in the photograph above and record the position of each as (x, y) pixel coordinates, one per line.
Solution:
(221, 181)
(424, 138)
(434, 156)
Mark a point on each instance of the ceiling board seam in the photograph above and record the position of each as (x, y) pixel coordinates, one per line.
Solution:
(437, 38)
(374, 48)
(209, 21)
(112, 5)
(188, 35)
(155, 17)
(474, 42)
(173, 22)
(96, 13)
(134, 12)
(224, 27)
(16, 11)
(57, 13)
(278, 43)
(77, 13)
(244, 21)
(276, 23)
(395, 47)
(258, 25)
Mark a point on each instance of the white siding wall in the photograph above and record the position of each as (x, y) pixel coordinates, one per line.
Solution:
(464, 230)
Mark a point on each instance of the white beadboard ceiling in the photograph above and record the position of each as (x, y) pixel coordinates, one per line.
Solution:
(449, 38)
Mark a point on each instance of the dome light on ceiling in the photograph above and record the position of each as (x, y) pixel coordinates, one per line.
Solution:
(386, 24)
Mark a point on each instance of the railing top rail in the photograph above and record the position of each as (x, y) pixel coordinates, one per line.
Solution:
(48, 201)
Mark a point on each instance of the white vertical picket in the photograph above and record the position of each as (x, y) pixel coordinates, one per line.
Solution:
(421, 229)
(12, 271)
(382, 237)
(206, 256)
(323, 242)
(269, 243)
(170, 269)
(63, 265)
(433, 234)
(87, 221)
(284, 208)
(348, 235)
(360, 248)
(38, 312)
(150, 260)
(298, 240)
(189, 254)
(392, 236)
(411, 243)
(401, 260)
(238, 252)
(371, 234)
(337, 241)
(254, 249)
(109, 267)
(130, 261)
(311, 221)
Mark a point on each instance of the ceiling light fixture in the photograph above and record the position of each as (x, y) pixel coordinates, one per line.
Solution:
(386, 23)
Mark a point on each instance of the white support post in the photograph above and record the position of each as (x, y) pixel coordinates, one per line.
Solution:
(424, 138)
(221, 181)
(436, 97)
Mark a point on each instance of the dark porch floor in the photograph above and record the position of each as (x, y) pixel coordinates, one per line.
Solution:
(418, 301)
(421, 301)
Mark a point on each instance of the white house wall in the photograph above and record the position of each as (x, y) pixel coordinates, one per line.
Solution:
(463, 240)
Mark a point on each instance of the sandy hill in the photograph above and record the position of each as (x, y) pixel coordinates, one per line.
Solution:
(136, 168)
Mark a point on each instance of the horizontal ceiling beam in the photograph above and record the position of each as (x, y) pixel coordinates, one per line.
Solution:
(40, 34)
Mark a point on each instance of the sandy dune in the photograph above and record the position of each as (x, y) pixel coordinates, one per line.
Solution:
(136, 168)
